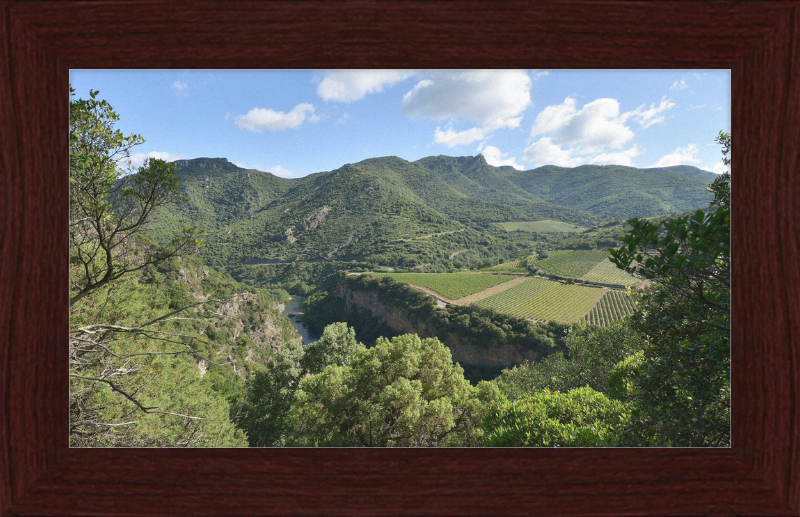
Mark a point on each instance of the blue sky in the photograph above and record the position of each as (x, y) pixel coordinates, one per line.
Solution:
(293, 123)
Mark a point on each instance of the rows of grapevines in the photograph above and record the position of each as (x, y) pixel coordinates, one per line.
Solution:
(608, 273)
(614, 306)
(544, 300)
(450, 285)
(574, 263)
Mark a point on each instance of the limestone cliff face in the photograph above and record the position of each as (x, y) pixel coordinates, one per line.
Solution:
(464, 350)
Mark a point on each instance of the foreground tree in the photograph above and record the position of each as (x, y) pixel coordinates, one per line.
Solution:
(402, 393)
(579, 418)
(681, 384)
(130, 384)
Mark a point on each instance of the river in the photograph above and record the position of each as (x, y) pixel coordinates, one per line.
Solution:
(295, 306)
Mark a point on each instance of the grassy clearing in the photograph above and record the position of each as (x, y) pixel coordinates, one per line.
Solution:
(608, 273)
(614, 306)
(542, 300)
(541, 226)
(450, 285)
(574, 263)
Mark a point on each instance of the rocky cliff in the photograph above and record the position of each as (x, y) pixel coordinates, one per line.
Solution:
(464, 350)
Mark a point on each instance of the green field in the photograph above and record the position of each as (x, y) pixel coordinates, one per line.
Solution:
(574, 263)
(608, 273)
(614, 306)
(541, 226)
(542, 300)
(450, 285)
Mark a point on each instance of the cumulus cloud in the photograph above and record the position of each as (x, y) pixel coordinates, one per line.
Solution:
(595, 126)
(181, 88)
(545, 152)
(718, 168)
(494, 157)
(620, 158)
(680, 156)
(137, 160)
(282, 172)
(492, 99)
(258, 119)
(679, 85)
(450, 138)
(537, 75)
(352, 85)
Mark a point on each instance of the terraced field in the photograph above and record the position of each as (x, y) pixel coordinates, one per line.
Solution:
(574, 263)
(450, 285)
(614, 306)
(608, 273)
(543, 300)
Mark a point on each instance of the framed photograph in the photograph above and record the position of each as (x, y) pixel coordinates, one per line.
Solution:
(43, 41)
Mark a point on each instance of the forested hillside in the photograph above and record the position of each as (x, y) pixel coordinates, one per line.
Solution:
(386, 206)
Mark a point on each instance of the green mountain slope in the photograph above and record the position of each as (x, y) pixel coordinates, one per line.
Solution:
(388, 207)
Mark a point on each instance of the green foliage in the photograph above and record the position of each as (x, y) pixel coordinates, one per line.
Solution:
(620, 380)
(541, 226)
(579, 418)
(451, 285)
(269, 395)
(401, 393)
(681, 388)
(591, 354)
(608, 273)
(336, 346)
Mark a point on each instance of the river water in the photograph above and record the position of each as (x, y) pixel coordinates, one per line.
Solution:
(295, 305)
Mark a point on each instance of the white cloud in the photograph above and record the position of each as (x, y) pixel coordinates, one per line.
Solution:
(621, 158)
(679, 85)
(680, 156)
(258, 119)
(282, 172)
(595, 126)
(181, 88)
(492, 99)
(692, 107)
(649, 117)
(540, 74)
(545, 152)
(450, 138)
(494, 157)
(137, 160)
(352, 85)
(343, 118)
(718, 168)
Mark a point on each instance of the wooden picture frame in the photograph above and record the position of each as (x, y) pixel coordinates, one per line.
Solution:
(43, 40)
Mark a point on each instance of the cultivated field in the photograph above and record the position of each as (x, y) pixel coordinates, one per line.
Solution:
(450, 285)
(614, 306)
(543, 300)
(541, 226)
(608, 273)
(574, 263)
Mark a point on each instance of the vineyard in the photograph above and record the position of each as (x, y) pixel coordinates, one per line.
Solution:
(541, 226)
(450, 285)
(572, 263)
(608, 273)
(614, 306)
(544, 300)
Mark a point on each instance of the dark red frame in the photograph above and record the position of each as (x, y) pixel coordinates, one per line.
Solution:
(43, 40)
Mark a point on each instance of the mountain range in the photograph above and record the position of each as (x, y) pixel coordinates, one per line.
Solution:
(383, 205)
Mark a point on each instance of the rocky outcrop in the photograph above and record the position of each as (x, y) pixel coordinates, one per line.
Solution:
(465, 351)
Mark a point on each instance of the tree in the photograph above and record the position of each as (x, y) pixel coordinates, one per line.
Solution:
(270, 392)
(579, 418)
(402, 393)
(591, 355)
(681, 387)
(126, 360)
